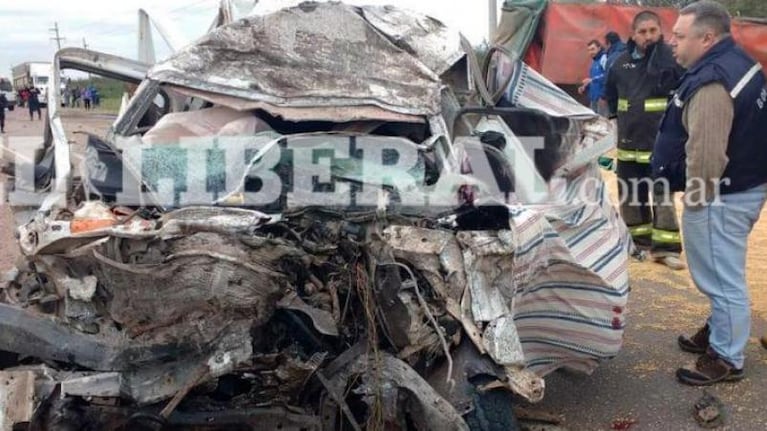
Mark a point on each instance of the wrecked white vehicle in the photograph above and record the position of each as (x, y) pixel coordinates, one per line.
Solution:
(306, 221)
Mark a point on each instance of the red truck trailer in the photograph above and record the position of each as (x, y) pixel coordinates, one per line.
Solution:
(552, 35)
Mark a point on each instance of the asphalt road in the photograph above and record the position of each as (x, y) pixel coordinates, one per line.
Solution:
(637, 390)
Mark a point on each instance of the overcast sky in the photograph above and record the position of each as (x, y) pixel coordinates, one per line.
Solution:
(111, 25)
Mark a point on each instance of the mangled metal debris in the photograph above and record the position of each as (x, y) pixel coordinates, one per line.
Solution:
(709, 411)
(17, 398)
(301, 314)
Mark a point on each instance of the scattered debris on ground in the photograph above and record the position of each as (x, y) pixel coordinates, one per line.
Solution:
(623, 424)
(709, 412)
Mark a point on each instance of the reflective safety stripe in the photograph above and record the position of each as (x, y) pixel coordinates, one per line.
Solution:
(623, 105)
(745, 79)
(634, 156)
(650, 105)
(641, 230)
(655, 105)
(666, 236)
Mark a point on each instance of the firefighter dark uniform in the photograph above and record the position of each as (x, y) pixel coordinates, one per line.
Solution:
(638, 89)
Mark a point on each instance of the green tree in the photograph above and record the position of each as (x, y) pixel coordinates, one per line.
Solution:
(481, 50)
(747, 8)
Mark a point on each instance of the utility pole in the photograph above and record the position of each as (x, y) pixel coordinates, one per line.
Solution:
(85, 45)
(492, 20)
(58, 38)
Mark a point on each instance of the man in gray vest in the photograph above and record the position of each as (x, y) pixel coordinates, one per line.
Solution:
(711, 146)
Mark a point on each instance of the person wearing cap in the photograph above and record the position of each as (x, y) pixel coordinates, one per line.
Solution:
(615, 47)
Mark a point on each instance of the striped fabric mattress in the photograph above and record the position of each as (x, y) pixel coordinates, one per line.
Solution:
(571, 260)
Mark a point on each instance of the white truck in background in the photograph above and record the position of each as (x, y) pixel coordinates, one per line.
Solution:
(33, 74)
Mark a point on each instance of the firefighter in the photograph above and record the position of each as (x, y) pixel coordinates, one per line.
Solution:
(638, 87)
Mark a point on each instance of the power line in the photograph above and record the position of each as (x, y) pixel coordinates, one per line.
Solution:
(186, 7)
(58, 38)
(122, 31)
(110, 31)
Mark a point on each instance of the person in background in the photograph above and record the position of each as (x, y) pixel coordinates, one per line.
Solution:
(23, 97)
(33, 102)
(75, 97)
(3, 106)
(86, 94)
(615, 48)
(96, 97)
(594, 84)
(711, 146)
(638, 87)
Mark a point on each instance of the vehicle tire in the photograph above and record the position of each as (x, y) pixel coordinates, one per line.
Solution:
(492, 411)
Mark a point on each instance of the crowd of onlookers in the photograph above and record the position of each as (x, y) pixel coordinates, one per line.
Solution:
(32, 98)
(70, 97)
(89, 96)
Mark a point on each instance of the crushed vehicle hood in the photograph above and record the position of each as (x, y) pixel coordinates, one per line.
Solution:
(322, 54)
